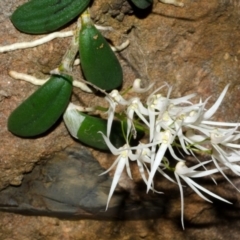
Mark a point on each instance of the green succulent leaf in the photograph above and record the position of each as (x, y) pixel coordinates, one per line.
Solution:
(42, 109)
(142, 4)
(86, 128)
(43, 16)
(99, 63)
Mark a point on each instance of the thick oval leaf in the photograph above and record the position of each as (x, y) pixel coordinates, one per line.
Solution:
(43, 16)
(99, 63)
(42, 109)
(88, 132)
(86, 128)
(142, 4)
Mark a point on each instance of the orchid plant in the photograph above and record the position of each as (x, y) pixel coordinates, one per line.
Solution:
(169, 124)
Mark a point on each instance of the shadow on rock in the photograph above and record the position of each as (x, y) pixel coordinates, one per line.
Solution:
(69, 186)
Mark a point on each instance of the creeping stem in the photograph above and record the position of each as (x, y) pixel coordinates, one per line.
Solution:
(69, 57)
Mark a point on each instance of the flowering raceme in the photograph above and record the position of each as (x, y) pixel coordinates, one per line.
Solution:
(173, 124)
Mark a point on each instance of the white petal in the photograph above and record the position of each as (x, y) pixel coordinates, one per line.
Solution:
(128, 169)
(194, 186)
(223, 124)
(209, 113)
(179, 133)
(111, 112)
(113, 150)
(190, 134)
(142, 109)
(220, 170)
(197, 174)
(201, 164)
(231, 145)
(182, 198)
(165, 175)
(142, 118)
(130, 113)
(161, 151)
(182, 99)
(207, 191)
(112, 166)
(170, 148)
(116, 177)
(142, 172)
(149, 99)
(152, 115)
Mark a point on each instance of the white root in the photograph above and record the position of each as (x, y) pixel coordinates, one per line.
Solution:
(173, 2)
(35, 43)
(27, 78)
(36, 81)
(120, 47)
(103, 28)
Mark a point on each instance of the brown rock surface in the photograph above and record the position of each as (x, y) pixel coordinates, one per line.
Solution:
(195, 49)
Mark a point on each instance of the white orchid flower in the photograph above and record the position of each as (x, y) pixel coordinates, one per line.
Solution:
(114, 98)
(165, 108)
(224, 147)
(225, 137)
(124, 153)
(164, 140)
(143, 158)
(172, 122)
(182, 171)
(135, 107)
